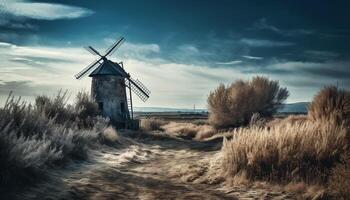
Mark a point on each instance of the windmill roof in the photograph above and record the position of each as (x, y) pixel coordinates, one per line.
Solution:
(109, 68)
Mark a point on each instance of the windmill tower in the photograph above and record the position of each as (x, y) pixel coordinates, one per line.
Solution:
(112, 86)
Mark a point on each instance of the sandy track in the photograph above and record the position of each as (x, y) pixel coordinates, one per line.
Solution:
(145, 167)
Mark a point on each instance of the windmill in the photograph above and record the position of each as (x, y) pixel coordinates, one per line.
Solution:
(109, 86)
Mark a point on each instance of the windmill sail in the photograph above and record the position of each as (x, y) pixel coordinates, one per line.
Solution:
(138, 88)
(115, 46)
(87, 69)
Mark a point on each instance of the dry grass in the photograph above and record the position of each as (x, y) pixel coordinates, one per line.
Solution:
(110, 135)
(35, 138)
(189, 130)
(291, 119)
(234, 105)
(300, 150)
(339, 183)
(285, 152)
(152, 124)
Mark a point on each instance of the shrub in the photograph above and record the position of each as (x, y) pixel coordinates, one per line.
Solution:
(86, 110)
(330, 102)
(295, 149)
(54, 107)
(234, 105)
(35, 138)
(109, 135)
(152, 124)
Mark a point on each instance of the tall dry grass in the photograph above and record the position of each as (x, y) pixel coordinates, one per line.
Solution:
(286, 152)
(36, 138)
(296, 149)
(235, 104)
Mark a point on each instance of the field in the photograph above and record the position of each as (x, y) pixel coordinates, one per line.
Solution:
(55, 150)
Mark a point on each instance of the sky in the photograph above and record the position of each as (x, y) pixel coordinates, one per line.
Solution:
(181, 50)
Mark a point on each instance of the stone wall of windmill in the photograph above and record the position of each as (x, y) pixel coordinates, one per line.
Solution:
(110, 94)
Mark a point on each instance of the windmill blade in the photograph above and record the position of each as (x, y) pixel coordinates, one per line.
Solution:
(92, 50)
(87, 69)
(89, 50)
(138, 88)
(114, 46)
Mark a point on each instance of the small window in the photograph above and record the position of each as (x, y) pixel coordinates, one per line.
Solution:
(100, 105)
(122, 107)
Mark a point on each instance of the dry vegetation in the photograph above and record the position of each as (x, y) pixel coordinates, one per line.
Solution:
(234, 105)
(296, 149)
(48, 134)
(151, 124)
(189, 130)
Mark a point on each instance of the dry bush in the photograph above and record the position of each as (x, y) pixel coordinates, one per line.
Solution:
(54, 107)
(330, 102)
(110, 135)
(189, 130)
(86, 110)
(303, 151)
(339, 183)
(234, 105)
(32, 139)
(151, 124)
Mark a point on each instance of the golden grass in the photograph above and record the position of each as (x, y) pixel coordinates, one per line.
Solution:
(151, 124)
(301, 151)
(189, 130)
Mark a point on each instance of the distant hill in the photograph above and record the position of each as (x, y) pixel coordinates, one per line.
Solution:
(300, 107)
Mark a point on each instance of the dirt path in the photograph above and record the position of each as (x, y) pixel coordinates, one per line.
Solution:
(146, 167)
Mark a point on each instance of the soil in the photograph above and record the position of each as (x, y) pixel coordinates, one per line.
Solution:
(146, 166)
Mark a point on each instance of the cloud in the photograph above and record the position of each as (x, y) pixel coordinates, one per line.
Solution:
(25, 88)
(42, 11)
(31, 70)
(135, 50)
(321, 55)
(15, 24)
(262, 24)
(264, 43)
(253, 57)
(188, 49)
(233, 62)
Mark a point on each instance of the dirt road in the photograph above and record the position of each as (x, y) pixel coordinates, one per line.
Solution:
(145, 167)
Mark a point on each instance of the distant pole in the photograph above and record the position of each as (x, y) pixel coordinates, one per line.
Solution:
(194, 107)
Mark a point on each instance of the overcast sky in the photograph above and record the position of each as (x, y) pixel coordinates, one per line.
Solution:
(178, 49)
